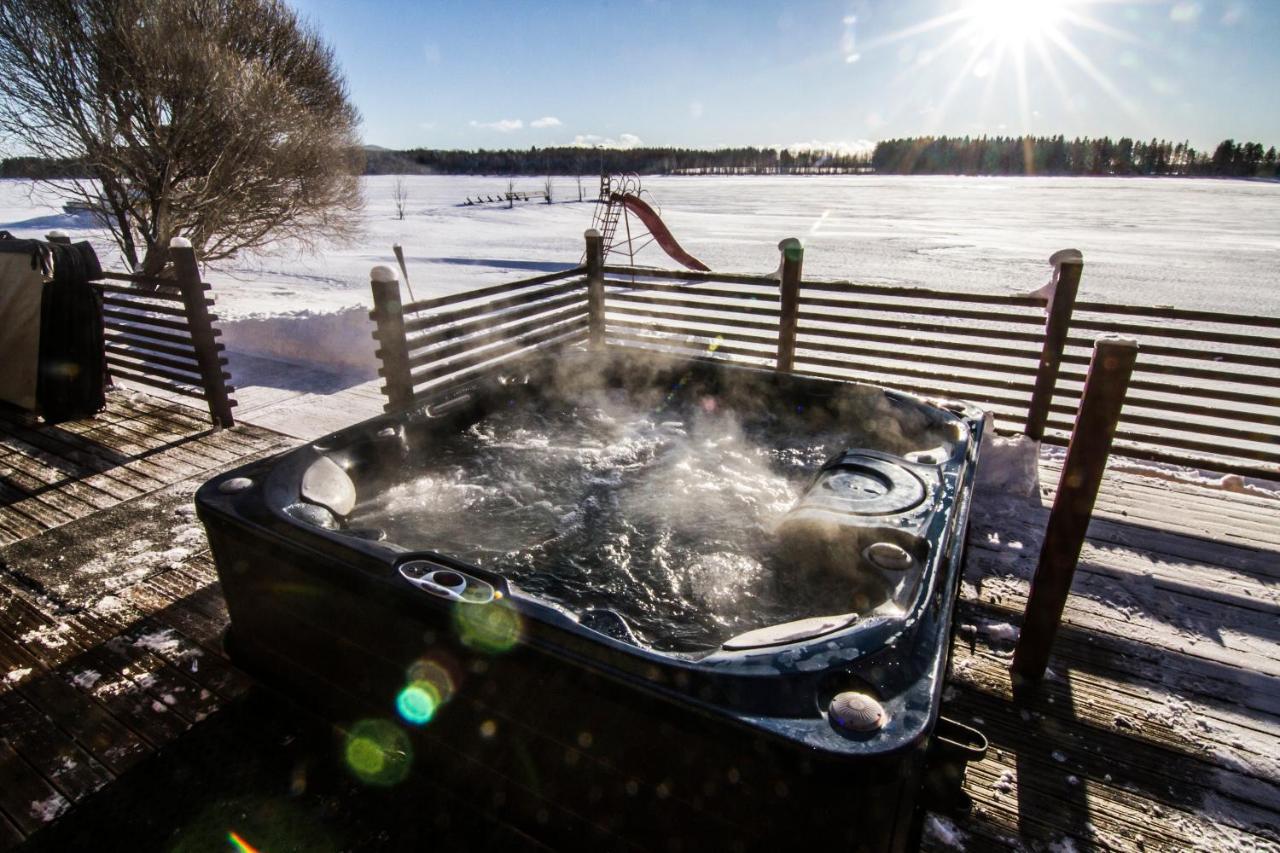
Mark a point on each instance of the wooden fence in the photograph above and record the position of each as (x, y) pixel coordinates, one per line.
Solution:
(160, 333)
(1203, 393)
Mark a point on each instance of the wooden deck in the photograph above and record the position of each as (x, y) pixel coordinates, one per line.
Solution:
(123, 726)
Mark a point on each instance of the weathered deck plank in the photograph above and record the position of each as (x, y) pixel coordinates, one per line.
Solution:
(1156, 729)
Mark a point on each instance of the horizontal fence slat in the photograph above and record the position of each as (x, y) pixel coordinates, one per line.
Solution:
(937, 328)
(136, 331)
(1211, 448)
(855, 307)
(1219, 466)
(917, 358)
(1186, 371)
(489, 353)
(492, 290)
(166, 294)
(1181, 390)
(890, 370)
(673, 344)
(613, 308)
(157, 370)
(1182, 408)
(1175, 332)
(1016, 406)
(1166, 312)
(625, 286)
(187, 351)
(493, 306)
(644, 299)
(132, 376)
(448, 350)
(153, 358)
(122, 318)
(691, 275)
(666, 328)
(571, 338)
(1218, 356)
(135, 305)
(923, 293)
(462, 328)
(861, 335)
(1139, 419)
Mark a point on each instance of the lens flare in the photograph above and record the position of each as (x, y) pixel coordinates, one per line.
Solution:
(436, 674)
(378, 752)
(239, 844)
(493, 628)
(417, 703)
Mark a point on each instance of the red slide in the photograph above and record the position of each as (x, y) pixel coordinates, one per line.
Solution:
(660, 232)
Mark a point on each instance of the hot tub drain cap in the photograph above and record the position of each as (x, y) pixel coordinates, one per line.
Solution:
(856, 712)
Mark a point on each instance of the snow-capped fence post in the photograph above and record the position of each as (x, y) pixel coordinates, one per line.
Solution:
(1067, 267)
(1082, 471)
(203, 334)
(595, 287)
(393, 349)
(789, 286)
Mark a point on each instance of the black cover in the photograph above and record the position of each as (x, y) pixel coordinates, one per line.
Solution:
(73, 368)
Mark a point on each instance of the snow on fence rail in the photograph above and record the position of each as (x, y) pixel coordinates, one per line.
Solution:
(160, 333)
(1204, 392)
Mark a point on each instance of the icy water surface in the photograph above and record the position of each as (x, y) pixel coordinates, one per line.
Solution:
(664, 516)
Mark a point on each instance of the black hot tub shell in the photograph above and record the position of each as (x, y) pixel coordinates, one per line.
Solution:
(570, 726)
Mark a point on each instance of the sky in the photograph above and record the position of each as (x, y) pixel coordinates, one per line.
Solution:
(481, 74)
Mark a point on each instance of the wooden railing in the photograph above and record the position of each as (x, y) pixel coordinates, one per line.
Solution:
(160, 333)
(1203, 392)
(448, 338)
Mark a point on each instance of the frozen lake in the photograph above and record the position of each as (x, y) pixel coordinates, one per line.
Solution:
(1191, 243)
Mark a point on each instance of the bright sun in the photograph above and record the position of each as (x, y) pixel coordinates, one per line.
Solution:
(1015, 22)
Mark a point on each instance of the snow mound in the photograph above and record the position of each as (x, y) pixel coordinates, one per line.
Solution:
(1009, 465)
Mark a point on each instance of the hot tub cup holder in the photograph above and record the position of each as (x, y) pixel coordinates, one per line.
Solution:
(446, 582)
(952, 749)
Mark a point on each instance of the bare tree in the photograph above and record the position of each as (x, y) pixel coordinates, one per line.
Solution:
(546, 186)
(223, 121)
(400, 193)
(579, 188)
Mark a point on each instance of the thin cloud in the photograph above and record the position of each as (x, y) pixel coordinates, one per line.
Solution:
(841, 148)
(502, 125)
(545, 121)
(591, 140)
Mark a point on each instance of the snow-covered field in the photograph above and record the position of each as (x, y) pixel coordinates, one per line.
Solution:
(1191, 243)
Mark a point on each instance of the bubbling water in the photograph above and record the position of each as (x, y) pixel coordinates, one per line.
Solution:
(664, 515)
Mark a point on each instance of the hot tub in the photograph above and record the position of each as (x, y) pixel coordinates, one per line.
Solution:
(620, 599)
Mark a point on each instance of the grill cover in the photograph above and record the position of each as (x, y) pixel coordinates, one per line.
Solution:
(51, 329)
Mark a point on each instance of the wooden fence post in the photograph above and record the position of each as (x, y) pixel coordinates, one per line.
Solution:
(203, 334)
(1067, 267)
(1095, 427)
(595, 287)
(789, 287)
(393, 348)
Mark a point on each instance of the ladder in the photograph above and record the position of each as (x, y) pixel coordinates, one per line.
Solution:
(605, 220)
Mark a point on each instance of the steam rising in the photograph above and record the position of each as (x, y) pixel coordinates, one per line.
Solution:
(659, 504)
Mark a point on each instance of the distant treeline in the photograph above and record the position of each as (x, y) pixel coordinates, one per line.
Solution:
(40, 168)
(570, 160)
(926, 155)
(1056, 155)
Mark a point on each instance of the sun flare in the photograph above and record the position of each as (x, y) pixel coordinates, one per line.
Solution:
(1016, 22)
